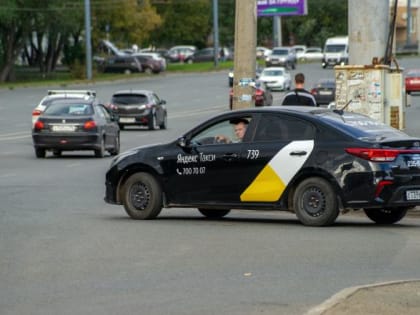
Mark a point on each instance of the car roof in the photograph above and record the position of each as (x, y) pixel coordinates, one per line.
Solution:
(132, 92)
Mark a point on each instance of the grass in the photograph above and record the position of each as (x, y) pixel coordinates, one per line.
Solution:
(29, 76)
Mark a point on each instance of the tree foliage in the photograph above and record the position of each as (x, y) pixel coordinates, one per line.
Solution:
(46, 32)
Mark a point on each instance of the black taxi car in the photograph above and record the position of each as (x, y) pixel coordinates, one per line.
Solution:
(315, 162)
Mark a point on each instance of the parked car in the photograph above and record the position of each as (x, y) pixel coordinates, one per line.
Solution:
(324, 91)
(205, 54)
(57, 95)
(181, 53)
(122, 64)
(276, 78)
(282, 56)
(139, 108)
(412, 81)
(149, 65)
(158, 60)
(309, 160)
(311, 54)
(262, 95)
(76, 124)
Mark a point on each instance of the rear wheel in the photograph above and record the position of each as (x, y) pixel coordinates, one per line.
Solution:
(142, 196)
(386, 215)
(152, 121)
(164, 123)
(39, 152)
(213, 213)
(116, 149)
(100, 153)
(315, 202)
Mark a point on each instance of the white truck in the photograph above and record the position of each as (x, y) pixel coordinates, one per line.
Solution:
(336, 51)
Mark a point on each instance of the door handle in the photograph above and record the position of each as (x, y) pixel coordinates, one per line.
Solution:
(298, 153)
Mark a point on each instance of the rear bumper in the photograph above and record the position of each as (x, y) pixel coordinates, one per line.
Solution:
(67, 142)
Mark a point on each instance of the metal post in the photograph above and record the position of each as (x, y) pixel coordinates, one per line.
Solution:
(245, 53)
(408, 42)
(88, 41)
(277, 38)
(367, 37)
(216, 32)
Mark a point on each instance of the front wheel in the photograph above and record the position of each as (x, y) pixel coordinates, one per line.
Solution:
(142, 196)
(315, 202)
(164, 123)
(386, 215)
(214, 213)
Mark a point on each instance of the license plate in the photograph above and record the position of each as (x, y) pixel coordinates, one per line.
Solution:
(127, 120)
(325, 92)
(412, 194)
(63, 128)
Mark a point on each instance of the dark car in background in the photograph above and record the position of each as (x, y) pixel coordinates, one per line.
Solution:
(122, 64)
(76, 124)
(324, 91)
(149, 64)
(313, 161)
(412, 81)
(139, 108)
(205, 54)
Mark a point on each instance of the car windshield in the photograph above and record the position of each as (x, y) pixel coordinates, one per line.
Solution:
(413, 74)
(75, 109)
(335, 48)
(280, 52)
(129, 99)
(273, 72)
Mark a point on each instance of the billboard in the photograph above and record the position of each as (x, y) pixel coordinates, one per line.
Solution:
(281, 7)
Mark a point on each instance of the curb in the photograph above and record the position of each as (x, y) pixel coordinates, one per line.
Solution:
(347, 293)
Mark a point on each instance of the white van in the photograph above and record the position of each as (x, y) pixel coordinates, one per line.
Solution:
(336, 51)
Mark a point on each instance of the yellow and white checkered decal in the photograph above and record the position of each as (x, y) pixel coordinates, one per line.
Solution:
(271, 182)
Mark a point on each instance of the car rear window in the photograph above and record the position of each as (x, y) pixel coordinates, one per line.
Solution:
(129, 99)
(74, 109)
(360, 126)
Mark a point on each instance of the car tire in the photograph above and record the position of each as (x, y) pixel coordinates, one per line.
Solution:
(142, 196)
(213, 213)
(148, 70)
(152, 122)
(386, 215)
(116, 149)
(40, 153)
(164, 123)
(315, 202)
(100, 152)
(121, 126)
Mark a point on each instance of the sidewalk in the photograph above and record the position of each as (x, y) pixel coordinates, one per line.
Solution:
(391, 298)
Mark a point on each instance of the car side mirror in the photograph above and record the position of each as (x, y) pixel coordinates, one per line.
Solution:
(162, 102)
(183, 142)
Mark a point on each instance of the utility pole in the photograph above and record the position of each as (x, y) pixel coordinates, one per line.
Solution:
(216, 32)
(277, 38)
(245, 53)
(367, 36)
(88, 41)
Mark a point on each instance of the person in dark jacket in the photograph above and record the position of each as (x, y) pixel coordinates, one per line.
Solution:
(299, 96)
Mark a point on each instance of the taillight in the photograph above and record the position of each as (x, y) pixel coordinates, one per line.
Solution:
(259, 92)
(375, 155)
(39, 125)
(36, 112)
(90, 124)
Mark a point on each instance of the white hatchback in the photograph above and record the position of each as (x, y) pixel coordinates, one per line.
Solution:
(276, 78)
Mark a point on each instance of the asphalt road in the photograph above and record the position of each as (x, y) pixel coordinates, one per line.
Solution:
(64, 251)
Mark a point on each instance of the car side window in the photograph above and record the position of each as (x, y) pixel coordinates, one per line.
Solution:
(232, 130)
(283, 128)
